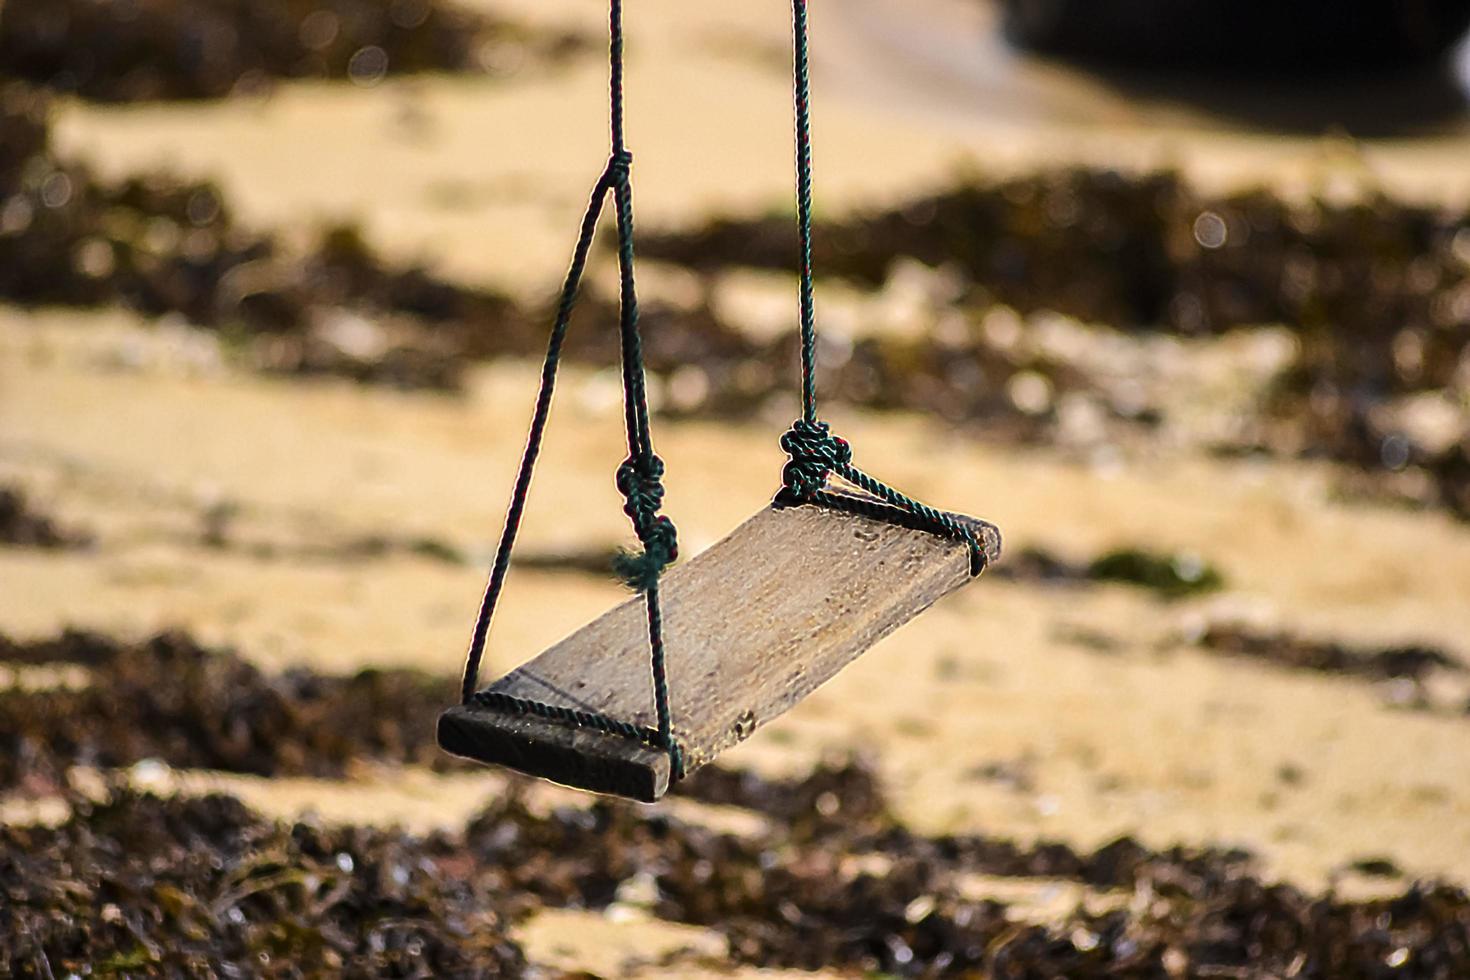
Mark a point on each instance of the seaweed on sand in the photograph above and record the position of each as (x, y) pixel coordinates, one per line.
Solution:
(164, 246)
(1414, 662)
(861, 892)
(170, 699)
(23, 525)
(164, 887)
(1374, 290)
(141, 886)
(135, 50)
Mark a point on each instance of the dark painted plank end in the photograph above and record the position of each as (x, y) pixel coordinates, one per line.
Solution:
(579, 758)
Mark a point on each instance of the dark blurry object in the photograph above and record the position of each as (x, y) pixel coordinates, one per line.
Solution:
(1171, 576)
(1298, 35)
(133, 50)
(159, 245)
(172, 700)
(1376, 292)
(23, 525)
(1168, 575)
(1413, 662)
(137, 885)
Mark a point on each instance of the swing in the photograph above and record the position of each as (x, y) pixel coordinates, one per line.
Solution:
(762, 618)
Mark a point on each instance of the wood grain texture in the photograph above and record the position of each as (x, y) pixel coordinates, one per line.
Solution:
(752, 626)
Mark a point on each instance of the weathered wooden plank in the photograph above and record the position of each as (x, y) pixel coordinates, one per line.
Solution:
(574, 757)
(752, 626)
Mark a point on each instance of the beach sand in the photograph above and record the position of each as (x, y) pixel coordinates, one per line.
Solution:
(1115, 720)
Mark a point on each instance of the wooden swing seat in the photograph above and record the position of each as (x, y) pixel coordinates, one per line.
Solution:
(753, 625)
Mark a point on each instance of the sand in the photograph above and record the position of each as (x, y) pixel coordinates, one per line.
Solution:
(1119, 724)
(486, 179)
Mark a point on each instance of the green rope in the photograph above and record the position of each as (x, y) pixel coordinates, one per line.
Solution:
(815, 453)
(639, 478)
(804, 212)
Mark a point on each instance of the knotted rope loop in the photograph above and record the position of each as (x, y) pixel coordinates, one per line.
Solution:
(640, 481)
(619, 167)
(814, 454)
(640, 478)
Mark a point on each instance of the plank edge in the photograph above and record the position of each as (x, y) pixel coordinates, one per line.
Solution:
(601, 763)
(575, 757)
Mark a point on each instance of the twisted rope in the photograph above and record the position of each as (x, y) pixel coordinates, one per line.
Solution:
(802, 91)
(639, 479)
(814, 453)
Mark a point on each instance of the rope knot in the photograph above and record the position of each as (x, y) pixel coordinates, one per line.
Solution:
(619, 166)
(815, 452)
(640, 481)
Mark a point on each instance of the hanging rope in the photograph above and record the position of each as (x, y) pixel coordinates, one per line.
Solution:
(639, 478)
(815, 453)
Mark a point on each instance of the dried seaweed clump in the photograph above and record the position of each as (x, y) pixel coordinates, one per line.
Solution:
(1171, 576)
(170, 699)
(145, 885)
(1376, 291)
(1168, 575)
(1150, 252)
(160, 246)
(134, 50)
(140, 886)
(1409, 662)
(1086, 243)
(22, 525)
(865, 894)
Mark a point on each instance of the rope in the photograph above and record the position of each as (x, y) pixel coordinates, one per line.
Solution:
(803, 87)
(639, 478)
(815, 454)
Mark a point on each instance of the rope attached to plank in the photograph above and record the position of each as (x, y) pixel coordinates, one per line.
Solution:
(815, 453)
(640, 477)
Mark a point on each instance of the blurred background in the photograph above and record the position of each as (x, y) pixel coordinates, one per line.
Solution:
(1177, 293)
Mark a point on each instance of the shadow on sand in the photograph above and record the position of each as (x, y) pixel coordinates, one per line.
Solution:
(1419, 101)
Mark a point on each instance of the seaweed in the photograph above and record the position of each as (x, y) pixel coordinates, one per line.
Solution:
(1371, 293)
(160, 246)
(1168, 575)
(22, 525)
(1415, 662)
(1373, 289)
(142, 50)
(137, 885)
(1171, 576)
(189, 885)
(805, 901)
(170, 699)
